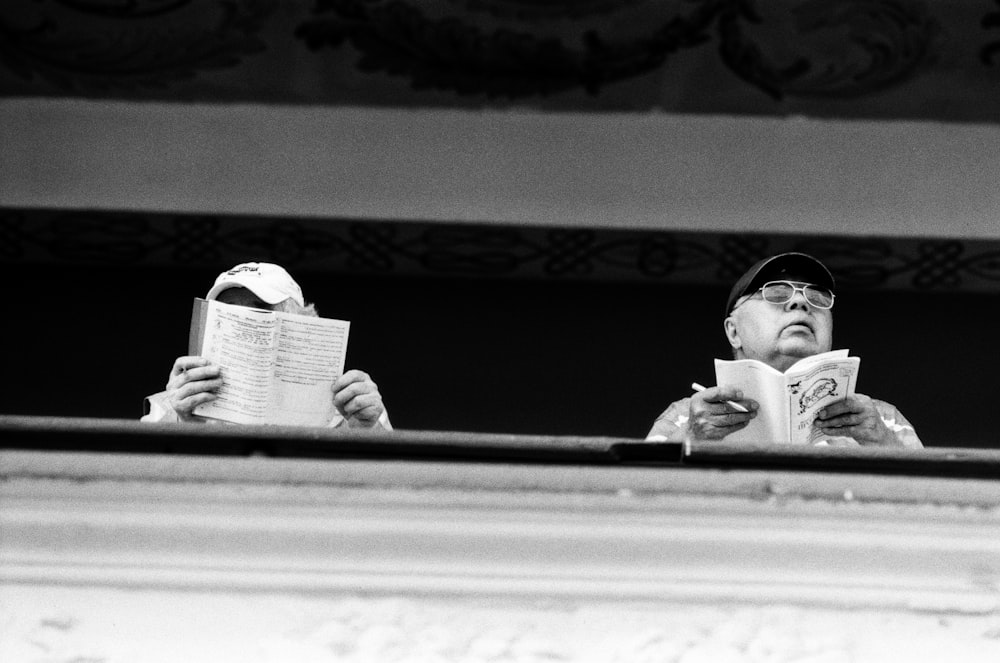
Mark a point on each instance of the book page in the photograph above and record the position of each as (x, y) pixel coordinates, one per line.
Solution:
(310, 357)
(764, 385)
(242, 341)
(814, 383)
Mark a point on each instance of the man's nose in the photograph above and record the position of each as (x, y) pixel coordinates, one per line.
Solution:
(797, 302)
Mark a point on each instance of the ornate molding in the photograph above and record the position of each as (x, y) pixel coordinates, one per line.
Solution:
(94, 46)
(884, 43)
(393, 248)
(801, 53)
(889, 42)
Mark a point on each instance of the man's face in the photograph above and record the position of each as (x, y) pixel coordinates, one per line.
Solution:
(779, 334)
(242, 297)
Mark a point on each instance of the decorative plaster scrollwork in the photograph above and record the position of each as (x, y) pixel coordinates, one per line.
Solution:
(822, 48)
(513, 58)
(124, 8)
(91, 47)
(702, 56)
(784, 48)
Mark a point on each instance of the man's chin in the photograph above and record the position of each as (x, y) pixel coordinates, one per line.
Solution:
(799, 347)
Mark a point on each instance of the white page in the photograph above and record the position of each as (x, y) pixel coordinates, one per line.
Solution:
(759, 382)
(310, 357)
(241, 341)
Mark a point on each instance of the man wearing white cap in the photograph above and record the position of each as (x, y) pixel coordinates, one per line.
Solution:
(778, 312)
(195, 380)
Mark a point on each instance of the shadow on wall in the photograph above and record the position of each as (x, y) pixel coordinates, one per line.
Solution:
(507, 356)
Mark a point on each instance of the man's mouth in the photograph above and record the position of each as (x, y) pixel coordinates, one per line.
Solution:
(799, 327)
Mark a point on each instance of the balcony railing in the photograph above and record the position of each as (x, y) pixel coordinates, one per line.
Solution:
(125, 541)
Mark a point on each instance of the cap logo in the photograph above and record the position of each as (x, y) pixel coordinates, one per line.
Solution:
(244, 268)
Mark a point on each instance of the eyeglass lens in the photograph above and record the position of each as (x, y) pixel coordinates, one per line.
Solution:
(779, 292)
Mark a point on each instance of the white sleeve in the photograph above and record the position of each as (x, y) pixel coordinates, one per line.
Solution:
(158, 409)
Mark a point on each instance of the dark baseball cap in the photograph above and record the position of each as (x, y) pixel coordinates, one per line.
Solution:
(782, 267)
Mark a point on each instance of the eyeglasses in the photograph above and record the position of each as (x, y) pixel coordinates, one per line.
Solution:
(779, 292)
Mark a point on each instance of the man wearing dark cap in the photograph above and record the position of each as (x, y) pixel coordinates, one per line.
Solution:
(778, 312)
(356, 400)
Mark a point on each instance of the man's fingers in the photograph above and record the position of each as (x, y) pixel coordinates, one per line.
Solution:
(186, 406)
(346, 393)
(717, 428)
(369, 413)
(842, 421)
(712, 418)
(202, 373)
(727, 423)
(186, 369)
(718, 394)
(193, 388)
(193, 381)
(182, 364)
(720, 401)
(356, 404)
(356, 397)
(725, 393)
(726, 420)
(724, 408)
(733, 419)
(353, 376)
(857, 404)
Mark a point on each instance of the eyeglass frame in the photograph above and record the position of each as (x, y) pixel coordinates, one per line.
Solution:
(795, 289)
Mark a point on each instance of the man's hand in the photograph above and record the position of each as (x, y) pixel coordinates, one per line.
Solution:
(192, 381)
(710, 418)
(857, 418)
(357, 399)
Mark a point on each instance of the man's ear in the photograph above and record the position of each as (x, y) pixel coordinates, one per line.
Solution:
(732, 334)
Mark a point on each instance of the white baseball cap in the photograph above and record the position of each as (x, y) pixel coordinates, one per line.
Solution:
(268, 281)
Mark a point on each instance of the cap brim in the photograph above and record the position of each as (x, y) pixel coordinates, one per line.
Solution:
(266, 293)
(793, 265)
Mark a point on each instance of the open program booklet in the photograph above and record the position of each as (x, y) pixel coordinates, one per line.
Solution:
(789, 401)
(277, 368)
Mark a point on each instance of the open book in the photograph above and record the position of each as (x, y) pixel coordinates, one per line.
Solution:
(789, 401)
(277, 368)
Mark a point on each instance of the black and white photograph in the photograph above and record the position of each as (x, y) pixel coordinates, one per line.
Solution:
(434, 331)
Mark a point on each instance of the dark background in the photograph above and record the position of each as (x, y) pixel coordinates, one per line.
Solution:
(491, 355)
